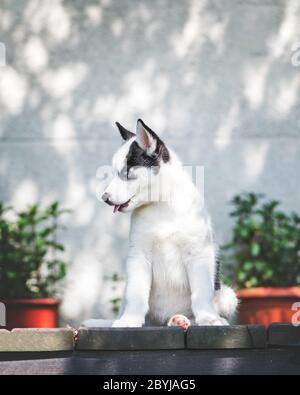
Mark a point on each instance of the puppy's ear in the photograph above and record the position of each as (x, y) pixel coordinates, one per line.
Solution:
(150, 142)
(146, 138)
(126, 134)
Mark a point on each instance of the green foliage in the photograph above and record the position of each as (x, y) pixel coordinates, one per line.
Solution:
(30, 266)
(265, 247)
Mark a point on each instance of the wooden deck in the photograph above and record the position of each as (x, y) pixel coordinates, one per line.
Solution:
(160, 351)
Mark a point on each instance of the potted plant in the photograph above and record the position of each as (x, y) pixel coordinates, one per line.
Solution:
(265, 259)
(30, 265)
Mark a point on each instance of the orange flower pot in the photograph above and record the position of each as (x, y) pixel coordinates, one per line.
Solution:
(267, 305)
(31, 313)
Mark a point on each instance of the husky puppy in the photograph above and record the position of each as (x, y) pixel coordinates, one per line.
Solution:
(172, 270)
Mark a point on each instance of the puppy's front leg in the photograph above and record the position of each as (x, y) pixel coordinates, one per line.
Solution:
(137, 290)
(201, 271)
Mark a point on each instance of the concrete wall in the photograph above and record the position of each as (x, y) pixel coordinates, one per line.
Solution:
(214, 78)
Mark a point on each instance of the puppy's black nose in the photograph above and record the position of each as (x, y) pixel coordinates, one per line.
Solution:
(106, 196)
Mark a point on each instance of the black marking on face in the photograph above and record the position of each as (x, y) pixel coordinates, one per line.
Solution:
(126, 174)
(137, 157)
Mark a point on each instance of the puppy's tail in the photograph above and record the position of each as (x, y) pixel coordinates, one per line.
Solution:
(225, 301)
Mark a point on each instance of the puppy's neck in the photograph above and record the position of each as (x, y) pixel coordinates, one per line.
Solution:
(175, 190)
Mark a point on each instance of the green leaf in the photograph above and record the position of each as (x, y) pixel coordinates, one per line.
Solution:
(248, 265)
(255, 248)
(241, 276)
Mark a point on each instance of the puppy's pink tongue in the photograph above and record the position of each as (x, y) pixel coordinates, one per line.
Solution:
(116, 207)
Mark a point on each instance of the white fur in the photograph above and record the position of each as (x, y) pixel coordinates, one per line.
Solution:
(171, 260)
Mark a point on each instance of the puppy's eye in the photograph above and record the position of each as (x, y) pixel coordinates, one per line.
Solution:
(126, 175)
(131, 175)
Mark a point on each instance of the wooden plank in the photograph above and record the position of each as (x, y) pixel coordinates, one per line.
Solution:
(284, 335)
(223, 337)
(151, 338)
(169, 362)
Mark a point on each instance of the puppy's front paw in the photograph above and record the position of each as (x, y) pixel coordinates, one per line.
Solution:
(179, 320)
(207, 319)
(125, 322)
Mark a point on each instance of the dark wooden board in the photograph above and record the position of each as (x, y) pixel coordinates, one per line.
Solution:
(151, 338)
(171, 362)
(222, 337)
(283, 335)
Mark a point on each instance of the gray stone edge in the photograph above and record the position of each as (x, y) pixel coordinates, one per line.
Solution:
(35, 340)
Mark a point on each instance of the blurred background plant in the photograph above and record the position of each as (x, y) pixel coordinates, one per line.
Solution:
(265, 246)
(30, 262)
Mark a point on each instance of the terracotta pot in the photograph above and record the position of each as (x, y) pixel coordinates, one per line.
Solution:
(31, 313)
(267, 305)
